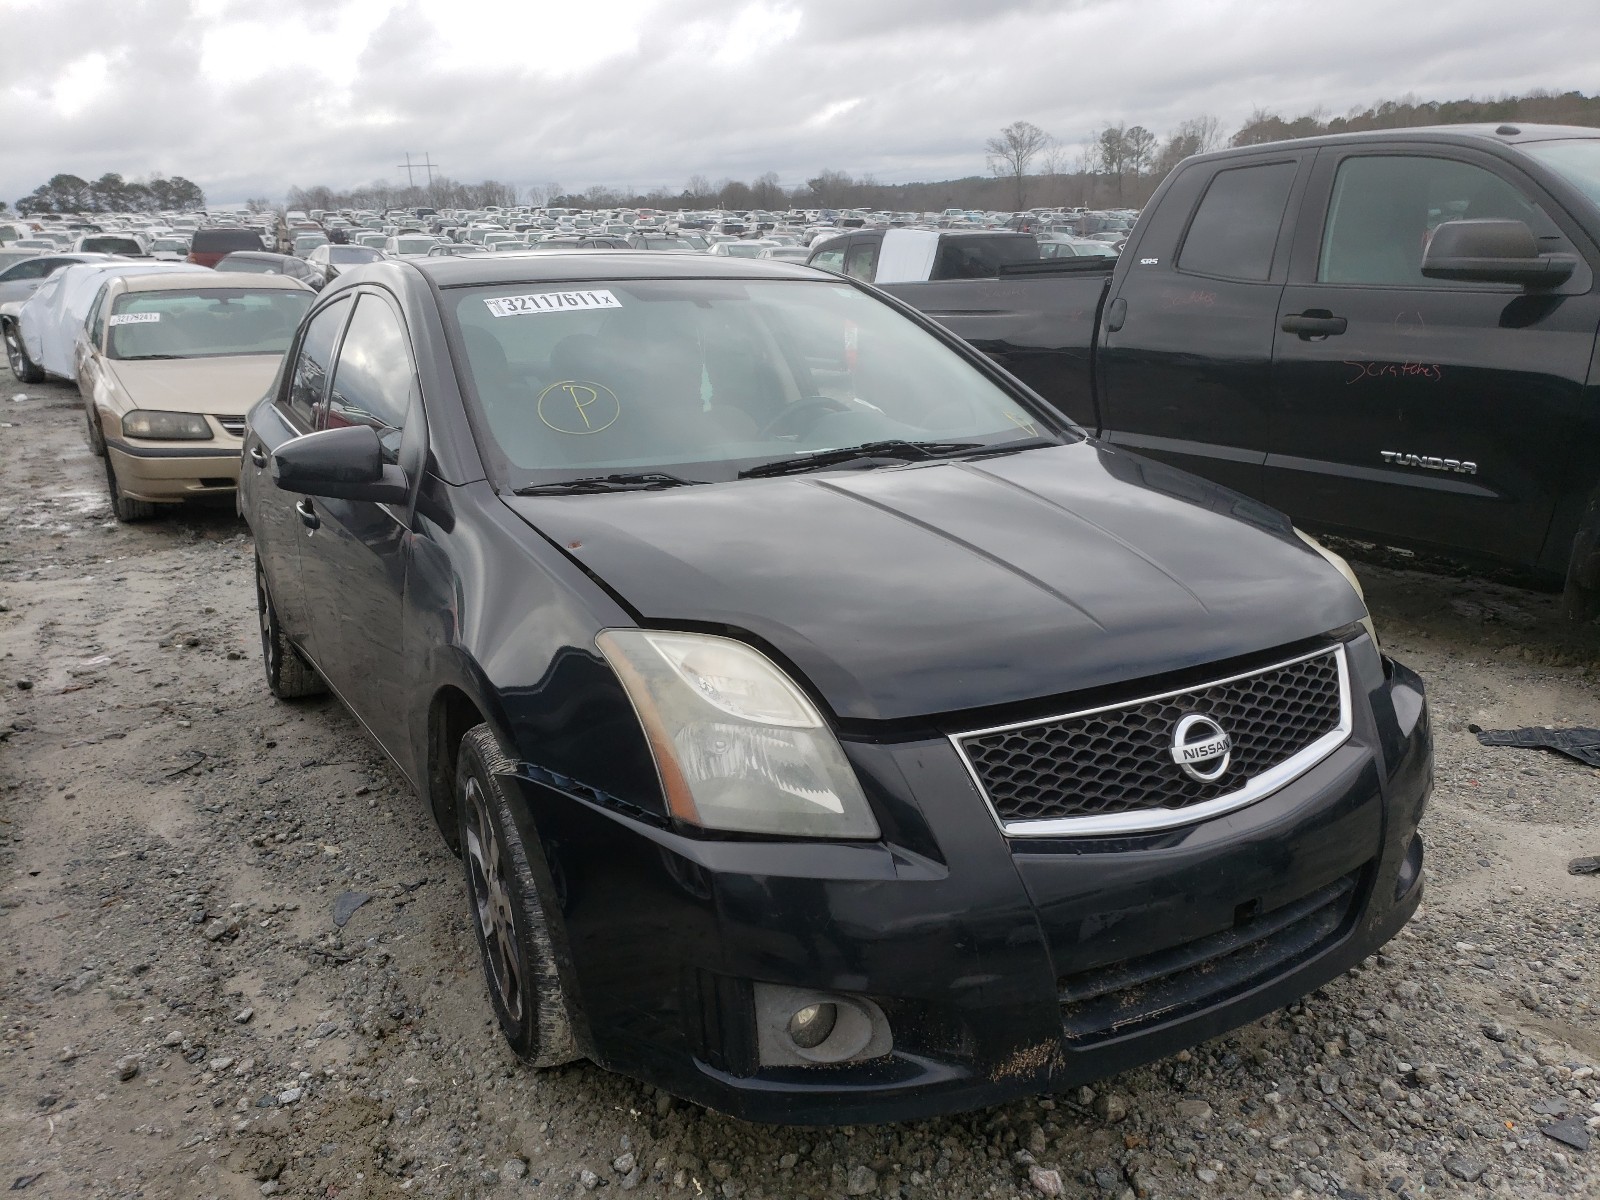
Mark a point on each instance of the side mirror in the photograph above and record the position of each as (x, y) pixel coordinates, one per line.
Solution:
(341, 464)
(1493, 252)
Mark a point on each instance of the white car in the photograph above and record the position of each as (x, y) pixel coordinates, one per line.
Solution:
(737, 249)
(40, 335)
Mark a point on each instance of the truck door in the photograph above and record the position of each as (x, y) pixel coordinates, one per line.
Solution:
(1423, 411)
(1185, 357)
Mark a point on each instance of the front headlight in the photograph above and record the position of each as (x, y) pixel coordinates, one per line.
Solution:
(738, 746)
(168, 426)
(1340, 565)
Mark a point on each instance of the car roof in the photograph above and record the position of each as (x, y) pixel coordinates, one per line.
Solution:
(582, 267)
(217, 279)
(1504, 133)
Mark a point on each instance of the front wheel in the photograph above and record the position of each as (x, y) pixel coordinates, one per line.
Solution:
(512, 927)
(1581, 599)
(289, 676)
(23, 367)
(125, 507)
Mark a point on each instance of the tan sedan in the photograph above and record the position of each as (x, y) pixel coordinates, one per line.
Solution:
(168, 365)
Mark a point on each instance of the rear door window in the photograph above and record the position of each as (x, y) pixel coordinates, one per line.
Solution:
(309, 379)
(1235, 229)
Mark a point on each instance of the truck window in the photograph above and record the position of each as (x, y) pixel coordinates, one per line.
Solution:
(981, 257)
(830, 260)
(1236, 226)
(1385, 208)
(861, 262)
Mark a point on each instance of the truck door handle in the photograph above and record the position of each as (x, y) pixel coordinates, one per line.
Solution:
(1116, 315)
(258, 456)
(308, 515)
(1314, 322)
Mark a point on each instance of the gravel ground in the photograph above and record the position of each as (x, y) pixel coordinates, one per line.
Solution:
(180, 1015)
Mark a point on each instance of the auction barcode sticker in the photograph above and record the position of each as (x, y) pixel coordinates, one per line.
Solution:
(134, 318)
(543, 302)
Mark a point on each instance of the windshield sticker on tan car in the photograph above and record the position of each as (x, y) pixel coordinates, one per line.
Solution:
(517, 306)
(134, 318)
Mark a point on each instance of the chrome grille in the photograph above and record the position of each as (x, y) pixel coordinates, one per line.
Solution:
(232, 425)
(1111, 769)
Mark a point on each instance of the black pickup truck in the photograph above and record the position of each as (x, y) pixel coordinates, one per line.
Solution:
(1387, 335)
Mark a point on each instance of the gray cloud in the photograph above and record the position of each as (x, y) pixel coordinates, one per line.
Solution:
(249, 99)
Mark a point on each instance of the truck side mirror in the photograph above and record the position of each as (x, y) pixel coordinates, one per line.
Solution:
(1493, 252)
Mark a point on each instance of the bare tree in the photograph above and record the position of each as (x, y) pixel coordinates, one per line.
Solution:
(830, 187)
(1197, 135)
(1013, 152)
(700, 188)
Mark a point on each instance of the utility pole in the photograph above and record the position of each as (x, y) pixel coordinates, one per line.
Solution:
(408, 167)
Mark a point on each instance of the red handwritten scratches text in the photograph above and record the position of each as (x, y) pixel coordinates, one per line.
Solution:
(1379, 370)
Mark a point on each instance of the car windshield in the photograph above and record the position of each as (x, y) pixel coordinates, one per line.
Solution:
(111, 245)
(703, 378)
(255, 266)
(1577, 160)
(204, 323)
(352, 254)
(412, 245)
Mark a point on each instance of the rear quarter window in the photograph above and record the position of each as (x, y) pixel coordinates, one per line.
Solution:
(1235, 229)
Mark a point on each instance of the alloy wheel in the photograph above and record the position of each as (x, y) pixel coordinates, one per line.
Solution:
(492, 902)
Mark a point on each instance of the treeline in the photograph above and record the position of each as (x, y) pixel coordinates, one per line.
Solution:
(112, 193)
(1120, 165)
(1543, 108)
(382, 196)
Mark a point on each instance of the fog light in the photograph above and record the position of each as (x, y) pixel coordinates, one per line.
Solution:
(805, 1027)
(810, 1027)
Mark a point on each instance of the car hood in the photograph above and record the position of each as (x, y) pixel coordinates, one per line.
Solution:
(225, 386)
(933, 588)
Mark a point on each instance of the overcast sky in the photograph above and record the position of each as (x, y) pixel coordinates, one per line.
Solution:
(251, 97)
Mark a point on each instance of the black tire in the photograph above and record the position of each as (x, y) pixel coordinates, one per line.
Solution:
(513, 931)
(126, 508)
(289, 675)
(23, 367)
(1581, 599)
(97, 440)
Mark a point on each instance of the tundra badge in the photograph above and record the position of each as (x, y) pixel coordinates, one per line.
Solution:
(1397, 459)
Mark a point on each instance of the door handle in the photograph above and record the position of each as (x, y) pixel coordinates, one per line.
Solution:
(258, 456)
(1314, 322)
(308, 514)
(1116, 315)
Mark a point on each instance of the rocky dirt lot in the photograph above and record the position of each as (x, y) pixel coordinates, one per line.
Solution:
(182, 1015)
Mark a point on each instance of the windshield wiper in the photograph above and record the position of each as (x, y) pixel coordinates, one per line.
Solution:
(147, 357)
(639, 482)
(910, 451)
(894, 448)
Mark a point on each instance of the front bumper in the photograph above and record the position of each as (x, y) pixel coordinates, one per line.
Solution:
(167, 472)
(981, 950)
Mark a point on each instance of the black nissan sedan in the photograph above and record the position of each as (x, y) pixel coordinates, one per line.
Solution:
(831, 732)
